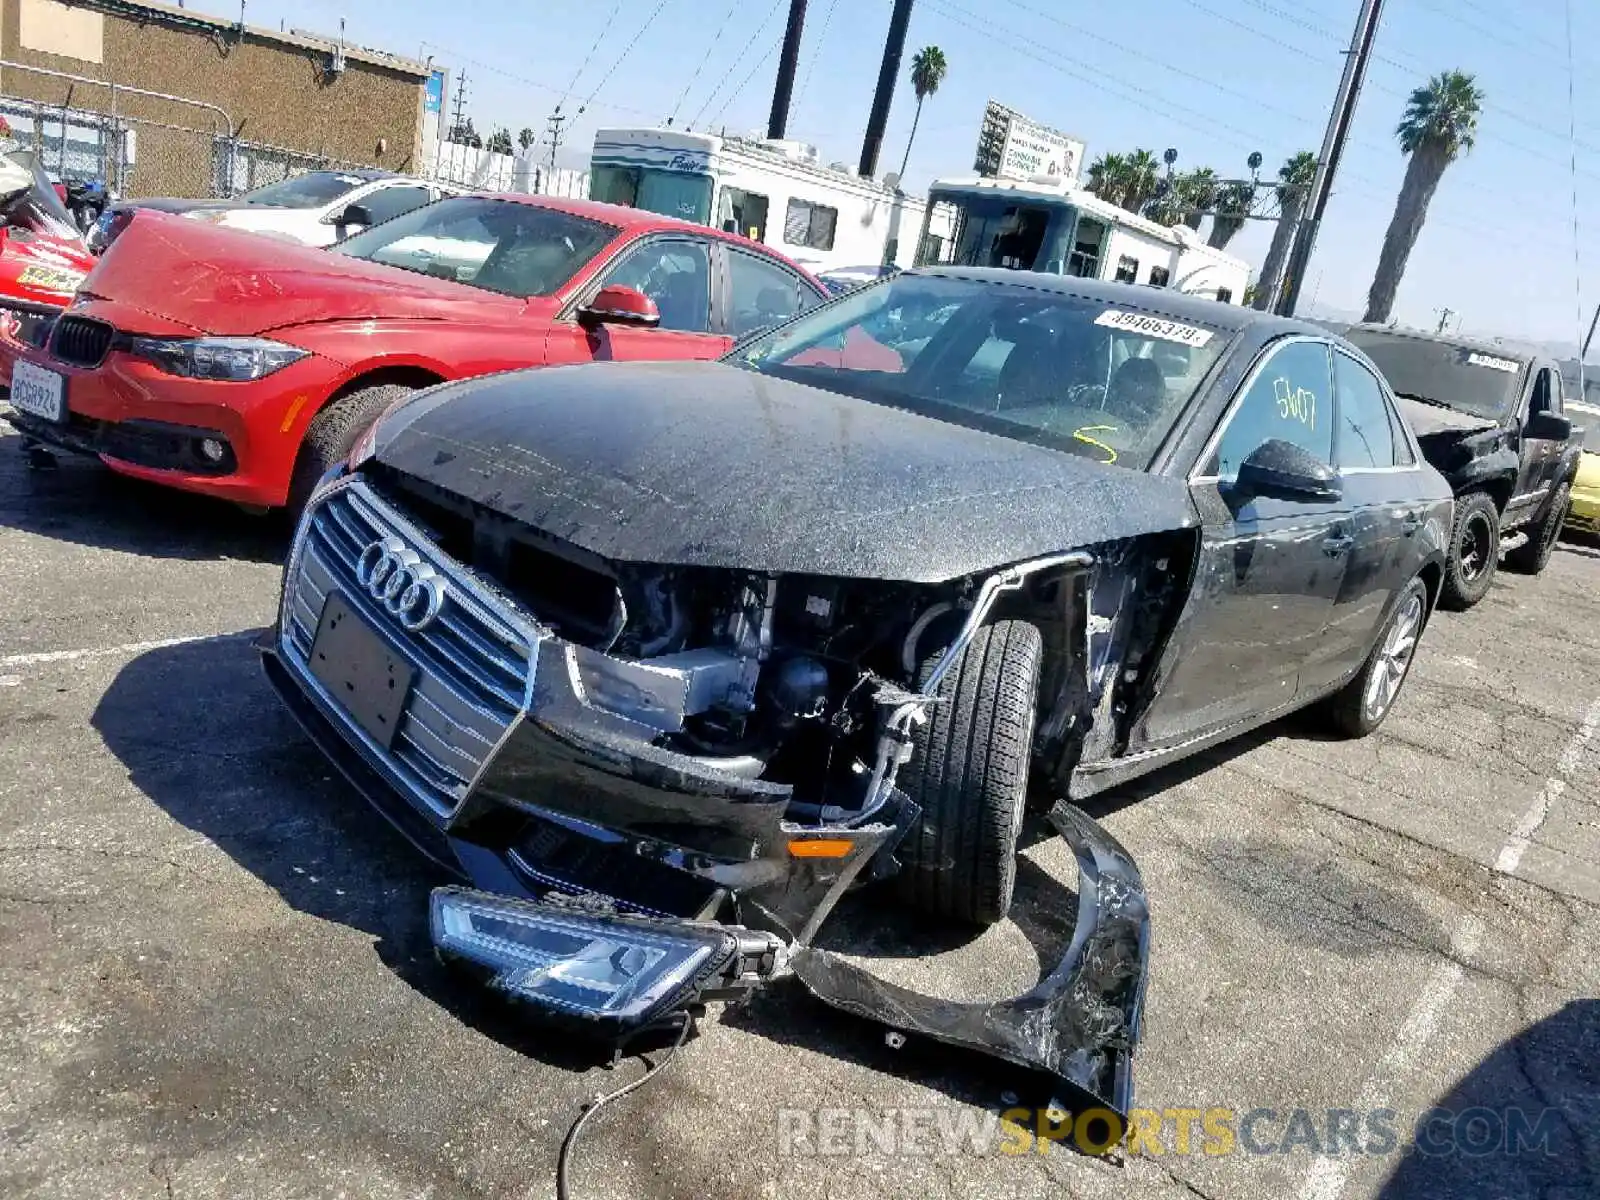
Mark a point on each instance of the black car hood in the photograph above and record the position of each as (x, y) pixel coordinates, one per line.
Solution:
(1428, 419)
(705, 464)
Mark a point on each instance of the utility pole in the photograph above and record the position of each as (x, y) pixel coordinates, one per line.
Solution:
(1584, 352)
(788, 61)
(553, 133)
(888, 76)
(460, 105)
(1338, 132)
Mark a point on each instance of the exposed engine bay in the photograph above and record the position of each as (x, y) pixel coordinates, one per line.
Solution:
(813, 683)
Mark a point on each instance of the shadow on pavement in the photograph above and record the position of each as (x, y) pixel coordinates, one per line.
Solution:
(1525, 1122)
(82, 502)
(205, 738)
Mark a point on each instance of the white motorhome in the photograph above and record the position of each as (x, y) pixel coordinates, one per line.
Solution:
(1050, 224)
(776, 192)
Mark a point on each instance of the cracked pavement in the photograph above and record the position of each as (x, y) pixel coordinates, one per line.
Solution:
(217, 978)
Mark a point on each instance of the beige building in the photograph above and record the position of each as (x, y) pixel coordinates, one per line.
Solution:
(78, 76)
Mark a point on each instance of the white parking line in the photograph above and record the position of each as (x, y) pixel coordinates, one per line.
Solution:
(124, 650)
(1327, 1177)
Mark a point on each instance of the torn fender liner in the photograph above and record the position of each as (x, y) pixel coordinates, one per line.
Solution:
(1080, 1023)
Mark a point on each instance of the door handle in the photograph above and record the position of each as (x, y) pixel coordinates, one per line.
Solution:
(1336, 544)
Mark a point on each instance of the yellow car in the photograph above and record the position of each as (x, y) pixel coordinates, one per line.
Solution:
(1585, 513)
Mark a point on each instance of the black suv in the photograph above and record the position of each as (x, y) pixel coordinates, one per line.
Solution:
(1489, 419)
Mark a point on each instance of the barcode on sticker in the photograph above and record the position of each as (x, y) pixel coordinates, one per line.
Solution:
(1156, 327)
(1493, 363)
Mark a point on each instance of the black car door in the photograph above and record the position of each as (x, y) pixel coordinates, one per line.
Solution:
(1541, 457)
(1269, 569)
(1378, 473)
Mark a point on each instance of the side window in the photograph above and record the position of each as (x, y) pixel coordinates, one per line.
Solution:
(810, 225)
(1127, 269)
(1290, 398)
(392, 201)
(1365, 438)
(676, 274)
(1224, 295)
(1160, 276)
(1403, 457)
(744, 212)
(762, 293)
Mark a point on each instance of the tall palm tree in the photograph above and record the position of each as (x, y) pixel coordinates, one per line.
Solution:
(1143, 174)
(1294, 187)
(1108, 177)
(1199, 188)
(927, 73)
(1439, 125)
(1233, 204)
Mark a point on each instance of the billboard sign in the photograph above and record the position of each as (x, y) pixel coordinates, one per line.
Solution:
(433, 93)
(1011, 146)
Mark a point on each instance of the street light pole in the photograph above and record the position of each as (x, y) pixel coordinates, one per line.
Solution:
(1287, 291)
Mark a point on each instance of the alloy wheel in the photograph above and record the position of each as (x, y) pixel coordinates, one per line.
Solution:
(1394, 657)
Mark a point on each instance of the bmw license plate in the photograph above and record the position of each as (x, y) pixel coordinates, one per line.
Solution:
(367, 679)
(38, 392)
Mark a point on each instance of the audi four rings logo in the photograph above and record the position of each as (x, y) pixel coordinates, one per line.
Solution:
(397, 578)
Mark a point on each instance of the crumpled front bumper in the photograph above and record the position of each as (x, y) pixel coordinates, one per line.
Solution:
(612, 883)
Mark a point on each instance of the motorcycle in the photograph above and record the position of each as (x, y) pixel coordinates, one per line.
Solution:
(86, 200)
(43, 257)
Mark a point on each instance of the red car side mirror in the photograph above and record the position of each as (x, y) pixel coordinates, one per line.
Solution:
(620, 305)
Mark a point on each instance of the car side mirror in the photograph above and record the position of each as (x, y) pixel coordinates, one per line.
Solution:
(617, 304)
(354, 214)
(1284, 471)
(1547, 426)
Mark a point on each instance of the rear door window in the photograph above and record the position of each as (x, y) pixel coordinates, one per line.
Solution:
(1365, 437)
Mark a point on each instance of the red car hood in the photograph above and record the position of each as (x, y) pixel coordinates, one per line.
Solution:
(40, 268)
(229, 282)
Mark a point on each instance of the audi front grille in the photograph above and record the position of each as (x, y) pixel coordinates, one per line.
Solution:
(472, 660)
(81, 341)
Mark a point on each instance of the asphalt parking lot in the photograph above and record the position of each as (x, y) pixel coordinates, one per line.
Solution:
(215, 975)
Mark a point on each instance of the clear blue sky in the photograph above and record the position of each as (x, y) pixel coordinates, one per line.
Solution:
(1213, 78)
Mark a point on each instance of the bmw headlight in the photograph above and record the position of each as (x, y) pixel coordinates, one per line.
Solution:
(614, 970)
(228, 359)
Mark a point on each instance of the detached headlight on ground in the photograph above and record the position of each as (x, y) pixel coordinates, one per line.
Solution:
(618, 972)
(227, 359)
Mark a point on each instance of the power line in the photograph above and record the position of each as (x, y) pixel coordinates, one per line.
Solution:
(606, 27)
(745, 82)
(704, 59)
(734, 66)
(827, 19)
(536, 84)
(626, 50)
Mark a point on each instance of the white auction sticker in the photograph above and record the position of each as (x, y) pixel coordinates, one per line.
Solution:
(1493, 363)
(1156, 327)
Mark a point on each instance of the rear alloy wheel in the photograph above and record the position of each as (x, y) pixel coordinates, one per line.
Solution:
(332, 435)
(1361, 705)
(1533, 555)
(1474, 552)
(969, 773)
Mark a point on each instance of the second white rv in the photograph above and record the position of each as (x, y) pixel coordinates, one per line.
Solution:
(1052, 225)
(776, 192)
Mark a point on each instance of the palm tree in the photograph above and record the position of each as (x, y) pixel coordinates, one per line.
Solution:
(1439, 125)
(927, 73)
(527, 138)
(1233, 205)
(1294, 187)
(1199, 191)
(1108, 177)
(1143, 175)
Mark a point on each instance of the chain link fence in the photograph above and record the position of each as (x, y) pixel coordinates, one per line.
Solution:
(143, 143)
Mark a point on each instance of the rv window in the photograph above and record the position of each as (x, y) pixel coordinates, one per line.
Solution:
(1159, 276)
(810, 225)
(1127, 269)
(746, 210)
(932, 250)
(1224, 295)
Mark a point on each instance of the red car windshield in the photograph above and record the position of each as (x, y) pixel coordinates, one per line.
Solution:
(499, 245)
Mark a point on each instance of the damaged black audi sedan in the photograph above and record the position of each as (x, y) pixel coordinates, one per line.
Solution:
(664, 657)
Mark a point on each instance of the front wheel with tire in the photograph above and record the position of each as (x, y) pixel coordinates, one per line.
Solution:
(332, 435)
(1474, 552)
(1533, 555)
(1361, 705)
(969, 773)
